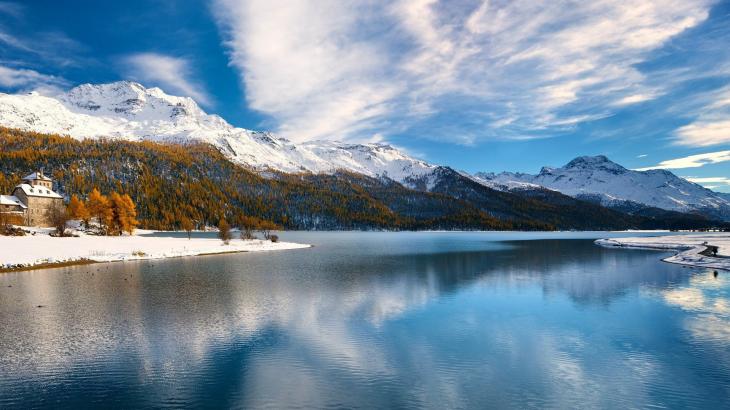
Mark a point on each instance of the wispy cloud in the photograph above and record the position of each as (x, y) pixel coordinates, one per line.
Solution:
(692, 161)
(306, 64)
(712, 124)
(350, 68)
(710, 182)
(12, 9)
(174, 74)
(44, 47)
(30, 80)
(635, 99)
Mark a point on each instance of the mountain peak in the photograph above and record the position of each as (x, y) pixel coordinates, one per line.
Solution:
(129, 110)
(597, 178)
(593, 162)
(130, 99)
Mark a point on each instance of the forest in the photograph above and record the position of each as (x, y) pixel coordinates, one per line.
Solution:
(177, 184)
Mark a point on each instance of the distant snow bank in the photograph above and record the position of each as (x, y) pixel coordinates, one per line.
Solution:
(688, 247)
(42, 249)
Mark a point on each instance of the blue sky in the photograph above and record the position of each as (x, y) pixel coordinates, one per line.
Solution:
(478, 85)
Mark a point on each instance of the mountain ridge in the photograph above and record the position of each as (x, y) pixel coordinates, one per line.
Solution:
(598, 179)
(127, 110)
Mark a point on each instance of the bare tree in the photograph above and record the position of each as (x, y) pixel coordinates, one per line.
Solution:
(266, 227)
(248, 224)
(58, 217)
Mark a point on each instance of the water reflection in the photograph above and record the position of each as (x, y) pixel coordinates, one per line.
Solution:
(386, 321)
(706, 297)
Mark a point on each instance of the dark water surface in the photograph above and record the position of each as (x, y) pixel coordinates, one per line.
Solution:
(373, 320)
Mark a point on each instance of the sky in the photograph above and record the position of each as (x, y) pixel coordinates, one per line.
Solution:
(479, 85)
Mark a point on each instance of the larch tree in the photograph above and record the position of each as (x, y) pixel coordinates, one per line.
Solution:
(123, 214)
(248, 224)
(186, 225)
(76, 209)
(224, 231)
(99, 207)
(130, 220)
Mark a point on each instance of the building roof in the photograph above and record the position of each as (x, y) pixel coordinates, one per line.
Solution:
(37, 175)
(37, 191)
(11, 200)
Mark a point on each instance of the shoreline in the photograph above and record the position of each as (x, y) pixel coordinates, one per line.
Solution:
(33, 252)
(50, 265)
(690, 249)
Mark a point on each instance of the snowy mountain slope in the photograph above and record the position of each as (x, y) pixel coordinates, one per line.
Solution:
(130, 111)
(601, 180)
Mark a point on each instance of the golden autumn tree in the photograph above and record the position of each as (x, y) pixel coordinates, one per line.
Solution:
(224, 231)
(99, 207)
(76, 209)
(124, 214)
(186, 225)
(131, 222)
(248, 224)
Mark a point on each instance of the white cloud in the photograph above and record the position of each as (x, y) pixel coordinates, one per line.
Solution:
(712, 123)
(173, 74)
(704, 133)
(15, 42)
(710, 182)
(635, 99)
(692, 161)
(27, 80)
(305, 64)
(348, 68)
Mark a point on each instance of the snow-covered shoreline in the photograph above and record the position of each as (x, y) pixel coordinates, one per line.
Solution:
(27, 252)
(689, 248)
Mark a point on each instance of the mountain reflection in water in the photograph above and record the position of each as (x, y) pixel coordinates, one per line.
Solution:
(371, 320)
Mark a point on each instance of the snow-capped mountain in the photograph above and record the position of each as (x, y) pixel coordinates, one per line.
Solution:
(601, 180)
(128, 110)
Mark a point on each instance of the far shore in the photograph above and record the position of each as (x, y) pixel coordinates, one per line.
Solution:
(40, 251)
(692, 249)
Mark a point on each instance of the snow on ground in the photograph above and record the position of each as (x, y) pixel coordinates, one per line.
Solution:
(688, 247)
(39, 249)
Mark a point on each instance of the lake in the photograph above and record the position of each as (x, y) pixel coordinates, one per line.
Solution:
(372, 320)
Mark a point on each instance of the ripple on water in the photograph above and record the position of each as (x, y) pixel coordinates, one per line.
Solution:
(379, 321)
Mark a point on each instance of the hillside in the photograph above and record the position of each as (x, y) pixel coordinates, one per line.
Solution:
(169, 181)
(127, 110)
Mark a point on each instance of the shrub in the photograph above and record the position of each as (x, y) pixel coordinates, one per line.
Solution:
(274, 238)
(224, 231)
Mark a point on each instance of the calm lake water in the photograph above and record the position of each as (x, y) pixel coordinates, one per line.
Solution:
(373, 320)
